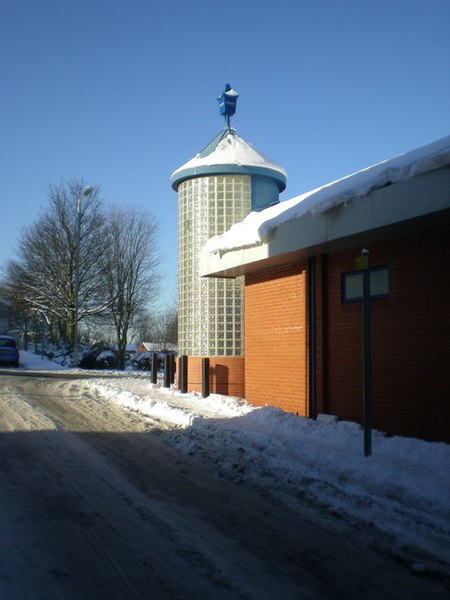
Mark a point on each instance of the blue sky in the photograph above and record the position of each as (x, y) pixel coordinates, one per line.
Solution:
(120, 93)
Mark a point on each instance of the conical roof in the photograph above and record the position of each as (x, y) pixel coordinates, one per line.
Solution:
(228, 153)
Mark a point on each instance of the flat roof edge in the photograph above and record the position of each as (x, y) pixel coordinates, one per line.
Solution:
(387, 207)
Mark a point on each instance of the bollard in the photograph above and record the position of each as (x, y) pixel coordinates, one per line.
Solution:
(205, 377)
(154, 367)
(183, 378)
(168, 360)
(173, 367)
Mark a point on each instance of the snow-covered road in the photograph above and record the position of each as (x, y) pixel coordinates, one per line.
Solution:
(180, 497)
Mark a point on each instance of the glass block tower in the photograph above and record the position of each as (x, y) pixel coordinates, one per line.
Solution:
(217, 188)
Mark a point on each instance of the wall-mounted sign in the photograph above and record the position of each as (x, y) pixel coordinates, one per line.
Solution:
(362, 262)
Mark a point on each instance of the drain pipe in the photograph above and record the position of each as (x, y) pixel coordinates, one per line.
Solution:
(312, 347)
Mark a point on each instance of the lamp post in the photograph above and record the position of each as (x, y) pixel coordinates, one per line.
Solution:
(87, 191)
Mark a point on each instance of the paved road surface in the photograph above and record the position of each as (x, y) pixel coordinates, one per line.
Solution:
(95, 505)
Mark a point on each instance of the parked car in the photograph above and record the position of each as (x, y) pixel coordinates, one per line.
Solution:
(9, 353)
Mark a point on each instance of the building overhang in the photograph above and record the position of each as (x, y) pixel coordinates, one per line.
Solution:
(407, 207)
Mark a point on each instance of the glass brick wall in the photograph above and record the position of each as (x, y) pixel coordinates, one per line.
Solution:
(210, 311)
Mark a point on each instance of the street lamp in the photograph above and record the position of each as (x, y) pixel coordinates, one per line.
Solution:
(87, 191)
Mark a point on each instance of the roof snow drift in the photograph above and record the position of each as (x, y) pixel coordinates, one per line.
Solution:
(228, 153)
(257, 227)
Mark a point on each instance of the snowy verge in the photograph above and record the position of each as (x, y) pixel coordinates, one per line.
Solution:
(402, 490)
(30, 361)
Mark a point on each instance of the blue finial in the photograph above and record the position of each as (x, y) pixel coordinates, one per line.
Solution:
(227, 103)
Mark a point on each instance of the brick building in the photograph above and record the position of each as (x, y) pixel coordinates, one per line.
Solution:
(303, 267)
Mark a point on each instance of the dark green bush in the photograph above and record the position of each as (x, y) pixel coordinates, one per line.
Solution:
(99, 358)
(142, 361)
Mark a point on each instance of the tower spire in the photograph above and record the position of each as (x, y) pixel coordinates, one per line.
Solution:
(227, 103)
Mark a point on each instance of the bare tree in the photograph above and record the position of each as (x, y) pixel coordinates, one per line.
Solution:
(160, 327)
(76, 260)
(46, 269)
(131, 266)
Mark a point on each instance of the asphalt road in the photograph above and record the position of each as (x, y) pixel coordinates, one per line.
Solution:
(95, 504)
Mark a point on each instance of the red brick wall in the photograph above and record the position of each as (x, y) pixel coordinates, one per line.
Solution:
(410, 339)
(226, 374)
(275, 338)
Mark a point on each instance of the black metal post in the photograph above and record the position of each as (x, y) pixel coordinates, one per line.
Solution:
(154, 367)
(205, 377)
(167, 370)
(173, 366)
(367, 363)
(183, 376)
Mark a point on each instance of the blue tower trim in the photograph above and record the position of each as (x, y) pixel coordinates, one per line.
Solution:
(227, 169)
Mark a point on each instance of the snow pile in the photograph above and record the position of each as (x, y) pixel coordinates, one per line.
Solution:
(231, 150)
(257, 226)
(168, 407)
(31, 361)
(402, 490)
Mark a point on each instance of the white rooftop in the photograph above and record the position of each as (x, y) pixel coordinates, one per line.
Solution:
(257, 227)
(228, 148)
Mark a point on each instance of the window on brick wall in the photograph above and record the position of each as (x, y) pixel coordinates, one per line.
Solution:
(352, 284)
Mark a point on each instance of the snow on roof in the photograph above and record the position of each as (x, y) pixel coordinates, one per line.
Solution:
(257, 226)
(230, 150)
(158, 346)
